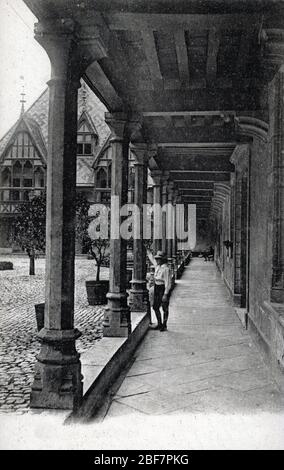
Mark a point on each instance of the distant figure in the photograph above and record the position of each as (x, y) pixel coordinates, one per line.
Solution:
(211, 253)
(159, 292)
(208, 255)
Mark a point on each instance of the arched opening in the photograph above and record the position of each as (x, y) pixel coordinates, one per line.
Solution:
(39, 180)
(5, 183)
(17, 180)
(101, 178)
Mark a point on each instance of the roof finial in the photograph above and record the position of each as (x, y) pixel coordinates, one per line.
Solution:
(84, 96)
(23, 94)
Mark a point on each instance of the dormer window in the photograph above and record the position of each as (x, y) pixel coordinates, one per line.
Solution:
(85, 140)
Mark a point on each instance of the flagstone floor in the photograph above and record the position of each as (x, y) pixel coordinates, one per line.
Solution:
(204, 363)
(200, 385)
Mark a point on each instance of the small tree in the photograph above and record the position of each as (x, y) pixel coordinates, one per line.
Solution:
(97, 247)
(28, 228)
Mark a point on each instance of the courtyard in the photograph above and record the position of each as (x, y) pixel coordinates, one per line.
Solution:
(19, 292)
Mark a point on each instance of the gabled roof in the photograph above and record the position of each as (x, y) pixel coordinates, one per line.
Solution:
(86, 117)
(26, 123)
(101, 152)
(36, 117)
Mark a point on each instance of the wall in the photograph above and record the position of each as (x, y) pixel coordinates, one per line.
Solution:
(261, 203)
(266, 319)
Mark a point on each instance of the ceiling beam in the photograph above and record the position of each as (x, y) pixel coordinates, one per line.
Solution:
(212, 53)
(203, 176)
(202, 145)
(197, 196)
(182, 57)
(198, 185)
(197, 170)
(152, 57)
(101, 86)
(200, 192)
(188, 113)
(205, 99)
(244, 52)
(172, 21)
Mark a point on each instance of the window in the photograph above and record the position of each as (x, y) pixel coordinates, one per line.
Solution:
(15, 195)
(26, 195)
(109, 176)
(16, 182)
(85, 140)
(80, 148)
(28, 183)
(6, 177)
(101, 178)
(88, 149)
(23, 147)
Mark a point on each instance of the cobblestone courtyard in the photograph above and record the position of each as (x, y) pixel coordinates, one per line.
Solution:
(19, 292)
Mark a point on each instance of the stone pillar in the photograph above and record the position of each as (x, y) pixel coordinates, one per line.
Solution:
(58, 380)
(165, 178)
(276, 137)
(171, 215)
(139, 296)
(157, 181)
(237, 237)
(240, 158)
(117, 316)
(174, 244)
(178, 222)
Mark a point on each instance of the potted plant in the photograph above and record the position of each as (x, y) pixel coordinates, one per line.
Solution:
(97, 248)
(39, 310)
(97, 289)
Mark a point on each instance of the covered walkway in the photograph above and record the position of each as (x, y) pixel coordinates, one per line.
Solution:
(205, 362)
(201, 115)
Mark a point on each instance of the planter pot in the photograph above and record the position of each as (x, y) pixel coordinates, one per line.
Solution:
(97, 291)
(39, 310)
(6, 266)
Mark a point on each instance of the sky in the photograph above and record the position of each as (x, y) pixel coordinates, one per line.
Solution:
(20, 56)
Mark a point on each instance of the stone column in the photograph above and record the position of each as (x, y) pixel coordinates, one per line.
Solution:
(117, 316)
(174, 244)
(237, 238)
(178, 222)
(58, 377)
(240, 158)
(276, 137)
(157, 181)
(172, 220)
(165, 178)
(139, 296)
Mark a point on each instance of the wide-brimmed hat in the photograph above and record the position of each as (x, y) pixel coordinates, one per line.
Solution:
(161, 255)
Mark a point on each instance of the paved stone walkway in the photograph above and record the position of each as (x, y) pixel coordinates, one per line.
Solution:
(18, 332)
(204, 363)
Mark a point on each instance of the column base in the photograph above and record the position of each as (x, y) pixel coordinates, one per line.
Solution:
(139, 297)
(277, 295)
(58, 380)
(237, 299)
(117, 322)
